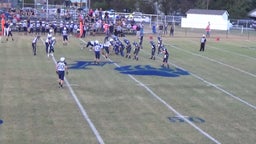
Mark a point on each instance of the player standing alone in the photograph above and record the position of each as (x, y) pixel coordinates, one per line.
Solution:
(61, 67)
(165, 58)
(34, 44)
(97, 49)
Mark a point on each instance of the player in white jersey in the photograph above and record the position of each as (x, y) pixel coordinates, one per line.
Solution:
(61, 68)
(97, 49)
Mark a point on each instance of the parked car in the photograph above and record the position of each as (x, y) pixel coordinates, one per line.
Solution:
(141, 19)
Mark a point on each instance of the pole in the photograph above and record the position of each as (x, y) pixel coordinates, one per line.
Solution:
(47, 10)
(207, 4)
(89, 5)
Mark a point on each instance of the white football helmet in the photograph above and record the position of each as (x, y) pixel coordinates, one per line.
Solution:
(62, 59)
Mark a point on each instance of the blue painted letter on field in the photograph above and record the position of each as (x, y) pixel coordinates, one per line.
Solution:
(147, 70)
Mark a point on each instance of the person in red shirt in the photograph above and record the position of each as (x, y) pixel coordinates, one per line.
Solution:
(2, 23)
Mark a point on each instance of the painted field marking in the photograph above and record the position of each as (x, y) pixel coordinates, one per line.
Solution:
(215, 85)
(167, 105)
(216, 61)
(170, 107)
(81, 108)
(1, 121)
(238, 54)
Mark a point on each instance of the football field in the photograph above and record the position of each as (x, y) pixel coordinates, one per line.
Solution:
(203, 98)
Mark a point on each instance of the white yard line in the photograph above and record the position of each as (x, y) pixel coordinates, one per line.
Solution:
(216, 86)
(213, 60)
(81, 108)
(242, 55)
(168, 106)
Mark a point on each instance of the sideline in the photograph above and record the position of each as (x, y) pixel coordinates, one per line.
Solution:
(167, 105)
(81, 108)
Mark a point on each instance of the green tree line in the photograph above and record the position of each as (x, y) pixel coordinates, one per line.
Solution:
(235, 8)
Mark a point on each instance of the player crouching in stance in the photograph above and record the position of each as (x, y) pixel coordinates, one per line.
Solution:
(165, 58)
(128, 48)
(34, 44)
(90, 44)
(61, 67)
(106, 47)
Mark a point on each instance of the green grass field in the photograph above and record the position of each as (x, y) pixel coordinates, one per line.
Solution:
(205, 97)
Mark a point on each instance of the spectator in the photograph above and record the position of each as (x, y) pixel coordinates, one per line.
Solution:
(172, 30)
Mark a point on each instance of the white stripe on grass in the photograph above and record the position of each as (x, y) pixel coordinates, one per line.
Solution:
(215, 85)
(81, 108)
(216, 61)
(168, 106)
(230, 52)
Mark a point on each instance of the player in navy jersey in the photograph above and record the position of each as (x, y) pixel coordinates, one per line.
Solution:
(136, 51)
(153, 50)
(61, 68)
(165, 58)
(128, 48)
(159, 44)
(90, 44)
(34, 44)
(121, 47)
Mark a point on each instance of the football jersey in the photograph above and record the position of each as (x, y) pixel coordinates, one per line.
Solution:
(61, 66)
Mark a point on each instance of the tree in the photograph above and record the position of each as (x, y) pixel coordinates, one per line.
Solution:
(147, 7)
